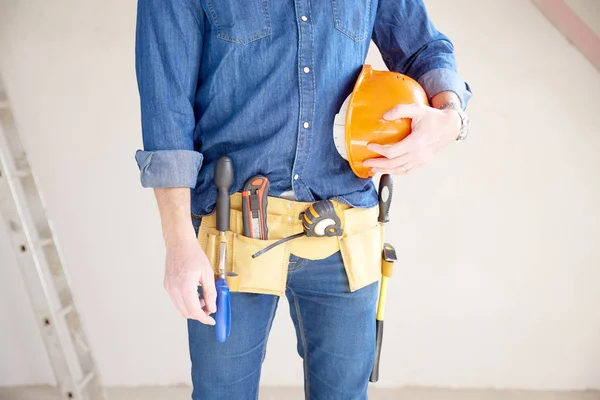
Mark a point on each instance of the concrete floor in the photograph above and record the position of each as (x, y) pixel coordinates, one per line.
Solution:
(183, 393)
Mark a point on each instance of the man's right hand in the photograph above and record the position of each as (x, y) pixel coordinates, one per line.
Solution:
(187, 266)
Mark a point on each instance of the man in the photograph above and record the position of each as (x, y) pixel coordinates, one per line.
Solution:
(261, 81)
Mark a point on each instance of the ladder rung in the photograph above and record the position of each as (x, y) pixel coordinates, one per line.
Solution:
(86, 380)
(68, 309)
(23, 173)
(46, 242)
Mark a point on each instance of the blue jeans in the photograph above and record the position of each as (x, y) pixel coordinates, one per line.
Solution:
(335, 331)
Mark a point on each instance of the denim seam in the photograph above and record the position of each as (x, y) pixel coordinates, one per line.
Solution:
(357, 37)
(213, 14)
(298, 265)
(266, 31)
(264, 351)
(289, 280)
(303, 340)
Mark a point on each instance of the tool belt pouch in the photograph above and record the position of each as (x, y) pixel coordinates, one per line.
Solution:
(360, 247)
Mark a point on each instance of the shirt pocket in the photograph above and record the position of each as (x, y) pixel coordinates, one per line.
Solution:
(240, 21)
(352, 18)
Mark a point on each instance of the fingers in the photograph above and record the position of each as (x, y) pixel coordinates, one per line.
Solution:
(194, 309)
(179, 304)
(387, 162)
(404, 111)
(403, 169)
(391, 150)
(209, 292)
(183, 290)
(391, 163)
(409, 143)
(399, 166)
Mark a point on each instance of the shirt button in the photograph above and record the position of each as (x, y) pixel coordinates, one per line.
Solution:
(296, 177)
(306, 125)
(303, 18)
(306, 70)
(290, 219)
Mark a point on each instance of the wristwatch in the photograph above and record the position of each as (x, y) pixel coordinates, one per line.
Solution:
(465, 122)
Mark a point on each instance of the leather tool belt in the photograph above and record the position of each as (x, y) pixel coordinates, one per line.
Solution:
(360, 245)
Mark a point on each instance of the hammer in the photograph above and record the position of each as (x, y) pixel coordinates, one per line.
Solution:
(388, 256)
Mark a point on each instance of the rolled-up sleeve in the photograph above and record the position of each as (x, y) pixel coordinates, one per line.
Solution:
(167, 56)
(410, 44)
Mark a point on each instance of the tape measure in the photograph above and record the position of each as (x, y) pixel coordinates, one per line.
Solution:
(321, 219)
(318, 220)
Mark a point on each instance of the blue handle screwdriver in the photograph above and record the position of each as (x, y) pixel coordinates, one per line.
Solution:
(223, 180)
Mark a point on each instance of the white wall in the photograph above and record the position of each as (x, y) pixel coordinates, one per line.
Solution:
(499, 238)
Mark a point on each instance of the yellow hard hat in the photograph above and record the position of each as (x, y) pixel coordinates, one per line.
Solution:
(360, 120)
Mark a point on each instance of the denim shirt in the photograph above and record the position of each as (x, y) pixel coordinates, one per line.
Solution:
(261, 82)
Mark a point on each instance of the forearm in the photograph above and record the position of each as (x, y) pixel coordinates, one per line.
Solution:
(445, 97)
(451, 101)
(174, 208)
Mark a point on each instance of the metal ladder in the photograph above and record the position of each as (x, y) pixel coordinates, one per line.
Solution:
(40, 261)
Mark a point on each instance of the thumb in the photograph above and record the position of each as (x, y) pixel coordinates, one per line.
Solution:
(209, 292)
(403, 111)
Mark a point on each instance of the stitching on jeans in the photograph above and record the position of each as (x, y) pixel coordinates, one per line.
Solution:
(289, 280)
(303, 340)
(296, 265)
(272, 315)
(264, 351)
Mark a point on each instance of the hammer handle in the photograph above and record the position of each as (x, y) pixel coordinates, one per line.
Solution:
(386, 189)
(378, 341)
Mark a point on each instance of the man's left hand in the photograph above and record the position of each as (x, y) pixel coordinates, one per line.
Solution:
(431, 130)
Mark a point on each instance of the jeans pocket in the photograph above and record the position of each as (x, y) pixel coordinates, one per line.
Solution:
(240, 21)
(295, 262)
(352, 18)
